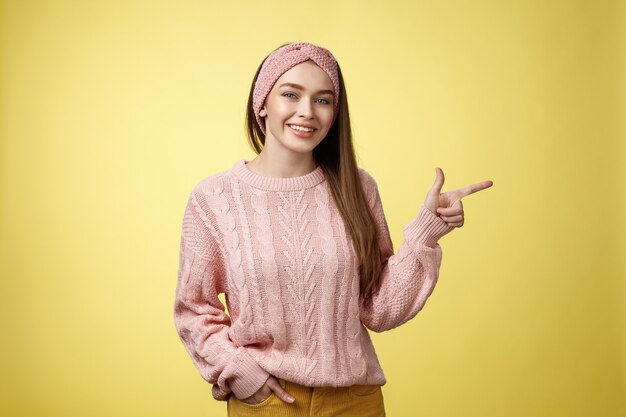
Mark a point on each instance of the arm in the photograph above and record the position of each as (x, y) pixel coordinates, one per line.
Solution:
(199, 316)
(408, 277)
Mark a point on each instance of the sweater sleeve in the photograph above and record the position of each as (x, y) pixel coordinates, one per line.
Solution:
(199, 316)
(408, 277)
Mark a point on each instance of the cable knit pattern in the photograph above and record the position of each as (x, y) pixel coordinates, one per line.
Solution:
(348, 309)
(253, 283)
(269, 275)
(329, 279)
(280, 251)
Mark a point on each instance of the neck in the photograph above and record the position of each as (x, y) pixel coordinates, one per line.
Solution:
(282, 166)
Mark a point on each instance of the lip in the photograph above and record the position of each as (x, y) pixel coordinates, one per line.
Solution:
(302, 125)
(301, 134)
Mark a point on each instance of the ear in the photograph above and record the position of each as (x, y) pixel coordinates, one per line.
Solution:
(263, 112)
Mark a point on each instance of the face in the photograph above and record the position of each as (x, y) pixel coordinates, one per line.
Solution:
(298, 110)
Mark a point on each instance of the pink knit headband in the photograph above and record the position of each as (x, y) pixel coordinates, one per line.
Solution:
(281, 61)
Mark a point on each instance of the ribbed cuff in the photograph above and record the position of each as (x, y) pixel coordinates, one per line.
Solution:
(251, 376)
(427, 228)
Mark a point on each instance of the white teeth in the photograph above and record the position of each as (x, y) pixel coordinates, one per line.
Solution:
(301, 129)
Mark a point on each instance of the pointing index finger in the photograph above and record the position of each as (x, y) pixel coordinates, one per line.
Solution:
(472, 188)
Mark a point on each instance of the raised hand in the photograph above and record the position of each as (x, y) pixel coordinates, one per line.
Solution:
(271, 385)
(448, 205)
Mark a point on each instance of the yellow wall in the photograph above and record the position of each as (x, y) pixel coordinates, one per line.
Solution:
(621, 191)
(113, 110)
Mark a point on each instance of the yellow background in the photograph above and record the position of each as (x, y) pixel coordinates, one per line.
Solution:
(113, 110)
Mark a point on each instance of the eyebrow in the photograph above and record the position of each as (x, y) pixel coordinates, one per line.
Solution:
(299, 87)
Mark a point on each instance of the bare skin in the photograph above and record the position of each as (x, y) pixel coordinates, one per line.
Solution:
(448, 205)
(271, 385)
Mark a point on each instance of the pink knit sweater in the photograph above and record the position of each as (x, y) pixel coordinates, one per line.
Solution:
(279, 250)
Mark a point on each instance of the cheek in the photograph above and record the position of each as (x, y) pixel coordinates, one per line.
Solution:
(328, 119)
(281, 109)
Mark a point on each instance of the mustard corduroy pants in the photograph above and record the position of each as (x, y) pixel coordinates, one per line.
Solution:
(357, 401)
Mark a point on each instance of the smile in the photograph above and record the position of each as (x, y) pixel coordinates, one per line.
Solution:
(301, 128)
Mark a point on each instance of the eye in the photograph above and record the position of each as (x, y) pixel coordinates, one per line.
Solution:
(288, 95)
(324, 101)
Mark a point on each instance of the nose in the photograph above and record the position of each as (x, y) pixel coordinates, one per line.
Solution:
(305, 109)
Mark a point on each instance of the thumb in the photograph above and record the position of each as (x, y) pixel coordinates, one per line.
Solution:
(438, 184)
(280, 392)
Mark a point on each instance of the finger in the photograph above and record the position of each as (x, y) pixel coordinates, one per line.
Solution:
(438, 184)
(257, 397)
(454, 210)
(279, 391)
(472, 188)
(452, 219)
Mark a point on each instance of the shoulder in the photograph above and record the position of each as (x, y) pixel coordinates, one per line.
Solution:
(369, 185)
(204, 192)
(201, 216)
(211, 185)
(366, 178)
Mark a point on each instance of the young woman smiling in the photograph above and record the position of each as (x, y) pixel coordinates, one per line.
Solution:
(297, 241)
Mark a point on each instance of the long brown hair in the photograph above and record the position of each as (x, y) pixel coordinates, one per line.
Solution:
(335, 155)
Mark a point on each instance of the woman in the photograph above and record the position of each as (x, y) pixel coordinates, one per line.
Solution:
(297, 241)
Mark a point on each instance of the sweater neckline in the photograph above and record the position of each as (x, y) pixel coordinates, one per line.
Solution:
(311, 179)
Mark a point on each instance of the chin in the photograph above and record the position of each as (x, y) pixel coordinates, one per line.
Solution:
(302, 147)
(307, 149)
